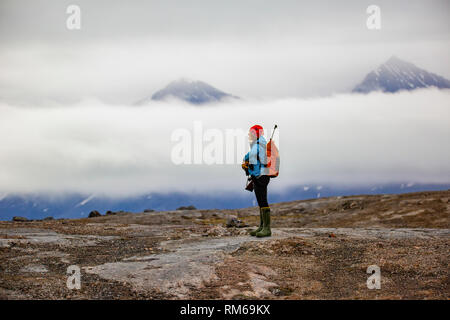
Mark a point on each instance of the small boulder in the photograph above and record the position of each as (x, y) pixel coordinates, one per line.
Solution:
(110, 213)
(149, 210)
(234, 222)
(48, 218)
(191, 207)
(94, 214)
(20, 219)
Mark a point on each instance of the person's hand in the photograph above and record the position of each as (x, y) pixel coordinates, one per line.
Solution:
(245, 165)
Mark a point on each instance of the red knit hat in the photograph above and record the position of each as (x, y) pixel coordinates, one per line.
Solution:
(257, 130)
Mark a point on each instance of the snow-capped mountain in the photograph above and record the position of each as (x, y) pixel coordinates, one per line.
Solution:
(396, 74)
(195, 92)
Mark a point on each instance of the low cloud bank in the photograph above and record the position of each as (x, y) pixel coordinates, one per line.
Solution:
(346, 140)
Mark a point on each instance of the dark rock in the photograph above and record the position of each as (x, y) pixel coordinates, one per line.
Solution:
(191, 207)
(48, 218)
(94, 214)
(234, 222)
(20, 219)
(110, 213)
(149, 210)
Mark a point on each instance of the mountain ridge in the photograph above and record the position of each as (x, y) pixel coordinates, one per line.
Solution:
(79, 206)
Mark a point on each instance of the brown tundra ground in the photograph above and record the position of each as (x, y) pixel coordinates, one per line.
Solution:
(319, 249)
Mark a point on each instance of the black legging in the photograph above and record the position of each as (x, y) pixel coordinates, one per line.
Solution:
(260, 187)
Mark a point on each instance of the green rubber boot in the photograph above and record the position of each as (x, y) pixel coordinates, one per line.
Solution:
(254, 232)
(265, 232)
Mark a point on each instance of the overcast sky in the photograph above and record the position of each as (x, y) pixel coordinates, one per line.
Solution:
(126, 50)
(66, 124)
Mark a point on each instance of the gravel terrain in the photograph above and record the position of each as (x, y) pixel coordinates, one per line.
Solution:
(319, 249)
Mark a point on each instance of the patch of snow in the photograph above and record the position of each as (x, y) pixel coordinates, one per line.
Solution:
(82, 203)
(34, 268)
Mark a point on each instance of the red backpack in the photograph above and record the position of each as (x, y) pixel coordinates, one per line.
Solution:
(273, 157)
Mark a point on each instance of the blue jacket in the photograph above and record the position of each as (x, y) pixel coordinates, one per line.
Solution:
(257, 158)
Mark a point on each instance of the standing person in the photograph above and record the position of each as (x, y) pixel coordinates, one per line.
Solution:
(254, 164)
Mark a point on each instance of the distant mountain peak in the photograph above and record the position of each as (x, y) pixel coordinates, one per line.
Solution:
(394, 59)
(192, 91)
(396, 74)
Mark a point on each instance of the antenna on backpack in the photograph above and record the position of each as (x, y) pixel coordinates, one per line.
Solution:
(273, 131)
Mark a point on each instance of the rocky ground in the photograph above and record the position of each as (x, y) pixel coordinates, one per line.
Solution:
(320, 249)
